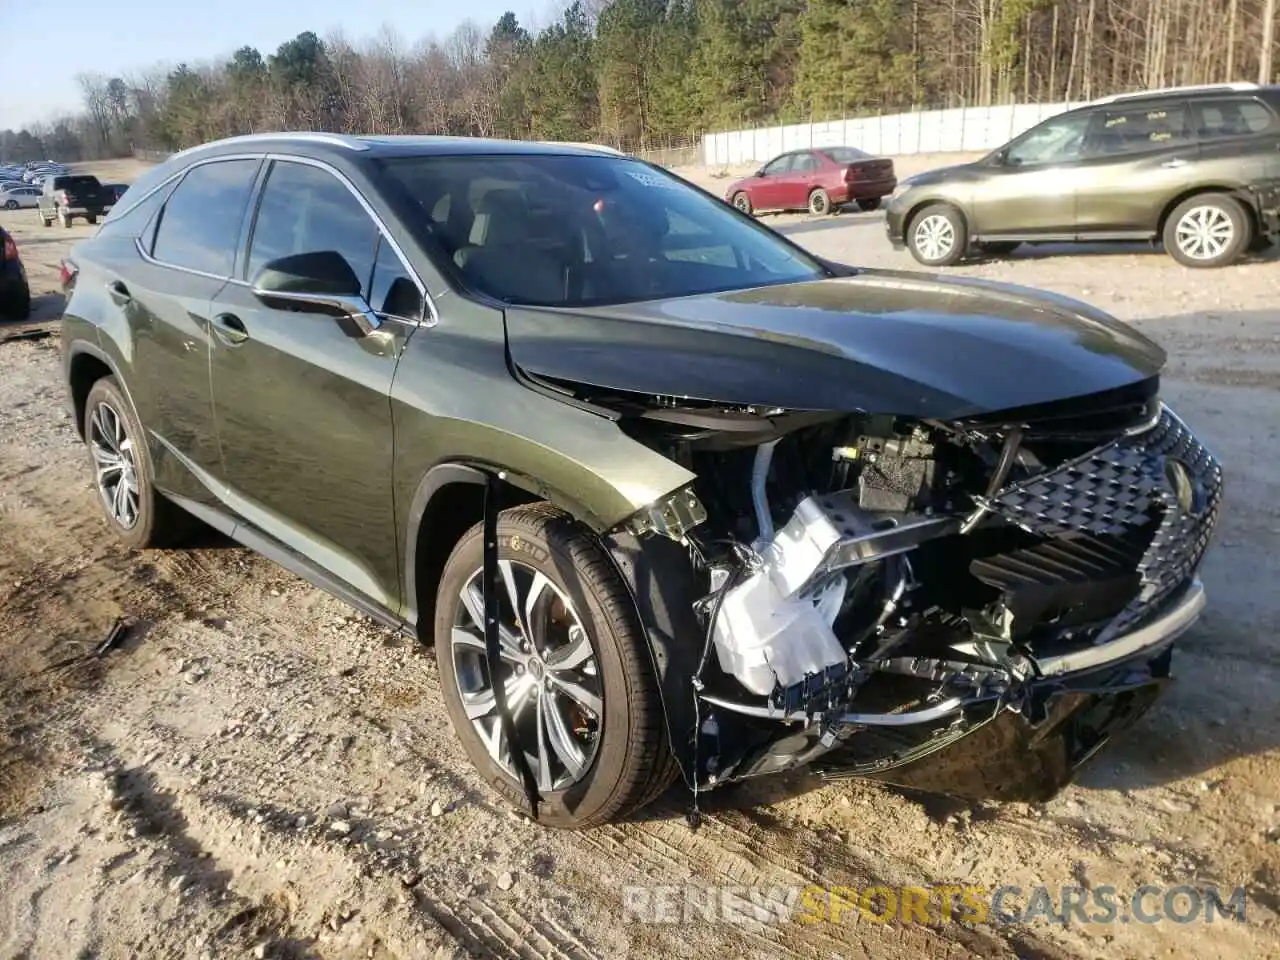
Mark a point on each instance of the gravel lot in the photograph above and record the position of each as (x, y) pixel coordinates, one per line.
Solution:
(258, 771)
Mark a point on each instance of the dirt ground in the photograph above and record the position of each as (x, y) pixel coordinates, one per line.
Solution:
(258, 771)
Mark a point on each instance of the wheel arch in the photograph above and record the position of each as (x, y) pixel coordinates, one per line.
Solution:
(86, 365)
(914, 211)
(1236, 192)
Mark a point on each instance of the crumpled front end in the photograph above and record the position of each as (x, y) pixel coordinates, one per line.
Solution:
(916, 599)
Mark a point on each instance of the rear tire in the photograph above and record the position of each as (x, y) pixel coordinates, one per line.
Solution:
(867, 204)
(819, 202)
(623, 751)
(1208, 230)
(92, 218)
(65, 218)
(118, 454)
(19, 308)
(45, 221)
(938, 236)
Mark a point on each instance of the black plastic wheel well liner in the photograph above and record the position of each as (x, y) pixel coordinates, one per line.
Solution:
(84, 369)
(449, 502)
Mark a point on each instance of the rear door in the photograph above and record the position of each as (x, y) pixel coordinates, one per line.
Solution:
(302, 403)
(805, 175)
(1239, 139)
(1138, 158)
(186, 255)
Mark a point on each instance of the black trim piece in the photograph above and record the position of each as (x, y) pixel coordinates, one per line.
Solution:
(273, 550)
(437, 478)
(493, 590)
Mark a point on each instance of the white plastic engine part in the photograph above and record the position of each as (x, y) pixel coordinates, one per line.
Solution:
(765, 639)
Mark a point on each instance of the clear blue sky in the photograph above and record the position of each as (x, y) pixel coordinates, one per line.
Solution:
(46, 45)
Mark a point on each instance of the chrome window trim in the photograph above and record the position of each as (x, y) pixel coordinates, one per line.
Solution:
(430, 316)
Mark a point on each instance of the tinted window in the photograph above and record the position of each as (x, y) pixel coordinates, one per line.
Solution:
(846, 154)
(393, 291)
(306, 210)
(200, 225)
(778, 166)
(140, 219)
(1057, 140)
(577, 230)
(1231, 118)
(1134, 129)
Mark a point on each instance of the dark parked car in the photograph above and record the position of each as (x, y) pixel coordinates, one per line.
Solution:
(669, 495)
(818, 180)
(74, 195)
(15, 294)
(1194, 168)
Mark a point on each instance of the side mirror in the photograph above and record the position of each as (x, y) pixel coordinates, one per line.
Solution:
(320, 282)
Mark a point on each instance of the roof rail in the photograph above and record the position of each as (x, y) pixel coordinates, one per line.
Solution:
(334, 139)
(583, 146)
(1195, 88)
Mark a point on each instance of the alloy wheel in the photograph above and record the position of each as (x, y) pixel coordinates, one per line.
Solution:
(1204, 232)
(549, 670)
(742, 202)
(116, 468)
(934, 236)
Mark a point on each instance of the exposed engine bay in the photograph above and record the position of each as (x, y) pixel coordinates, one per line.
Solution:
(873, 588)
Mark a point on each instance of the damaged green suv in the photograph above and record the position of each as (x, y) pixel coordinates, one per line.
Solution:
(671, 497)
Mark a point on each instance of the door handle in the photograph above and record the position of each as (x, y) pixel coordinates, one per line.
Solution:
(1174, 163)
(230, 329)
(119, 292)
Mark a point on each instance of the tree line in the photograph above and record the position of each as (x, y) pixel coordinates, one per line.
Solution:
(641, 74)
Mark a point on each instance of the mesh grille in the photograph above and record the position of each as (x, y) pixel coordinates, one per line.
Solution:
(1162, 475)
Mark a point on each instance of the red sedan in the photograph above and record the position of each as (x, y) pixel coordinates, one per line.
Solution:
(817, 180)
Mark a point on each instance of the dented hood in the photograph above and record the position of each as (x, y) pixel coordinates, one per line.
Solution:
(879, 341)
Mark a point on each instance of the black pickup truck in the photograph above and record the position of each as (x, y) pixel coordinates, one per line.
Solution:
(71, 196)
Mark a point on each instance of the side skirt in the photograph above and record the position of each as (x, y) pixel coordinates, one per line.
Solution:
(266, 545)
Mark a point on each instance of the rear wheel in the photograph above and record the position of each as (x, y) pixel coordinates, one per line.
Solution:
(18, 307)
(1208, 230)
(92, 218)
(937, 236)
(575, 665)
(46, 221)
(819, 202)
(869, 203)
(65, 218)
(122, 473)
(742, 201)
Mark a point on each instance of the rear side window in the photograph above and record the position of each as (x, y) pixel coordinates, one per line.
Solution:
(200, 225)
(1236, 117)
(140, 219)
(805, 163)
(1122, 130)
(305, 209)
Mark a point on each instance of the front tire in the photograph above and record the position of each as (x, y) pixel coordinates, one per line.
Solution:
(580, 681)
(1208, 230)
(819, 202)
(122, 473)
(742, 202)
(11, 204)
(937, 236)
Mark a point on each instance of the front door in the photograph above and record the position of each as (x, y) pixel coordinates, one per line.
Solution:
(301, 400)
(1030, 190)
(770, 189)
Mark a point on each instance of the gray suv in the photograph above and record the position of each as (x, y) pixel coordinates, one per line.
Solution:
(1192, 167)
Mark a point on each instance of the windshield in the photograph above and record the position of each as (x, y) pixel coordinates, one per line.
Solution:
(576, 231)
(846, 154)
